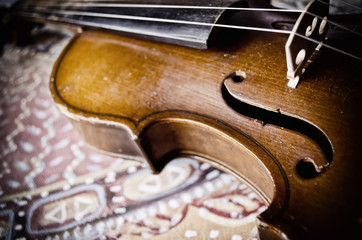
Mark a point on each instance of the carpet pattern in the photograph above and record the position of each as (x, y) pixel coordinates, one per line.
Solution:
(52, 186)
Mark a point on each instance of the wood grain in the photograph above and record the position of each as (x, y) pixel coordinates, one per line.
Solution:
(152, 102)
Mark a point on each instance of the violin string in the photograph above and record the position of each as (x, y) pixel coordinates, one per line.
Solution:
(104, 26)
(118, 1)
(336, 24)
(98, 3)
(85, 2)
(123, 5)
(152, 19)
(342, 8)
(345, 3)
(216, 8)
(163, 20)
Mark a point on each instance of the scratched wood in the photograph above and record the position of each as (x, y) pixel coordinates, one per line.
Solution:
(143, 99)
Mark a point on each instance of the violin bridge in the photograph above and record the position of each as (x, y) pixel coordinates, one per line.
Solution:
(307, 35)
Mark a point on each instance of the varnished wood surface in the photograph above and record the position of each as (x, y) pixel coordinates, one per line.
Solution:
(159, 101)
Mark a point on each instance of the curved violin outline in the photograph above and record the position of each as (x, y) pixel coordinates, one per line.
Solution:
(277, 201)
(141, 126)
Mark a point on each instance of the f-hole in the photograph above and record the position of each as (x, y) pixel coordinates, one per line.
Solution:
(305, 169)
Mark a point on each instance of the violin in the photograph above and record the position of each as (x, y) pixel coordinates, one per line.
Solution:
(154, 80)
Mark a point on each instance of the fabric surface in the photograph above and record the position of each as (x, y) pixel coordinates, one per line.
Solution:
(52, 186)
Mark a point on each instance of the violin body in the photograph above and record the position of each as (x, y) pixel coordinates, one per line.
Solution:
(231, 107)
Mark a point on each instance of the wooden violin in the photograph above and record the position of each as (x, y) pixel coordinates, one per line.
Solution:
(229, 105)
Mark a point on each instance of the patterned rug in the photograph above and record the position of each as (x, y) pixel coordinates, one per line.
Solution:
(52, 186)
